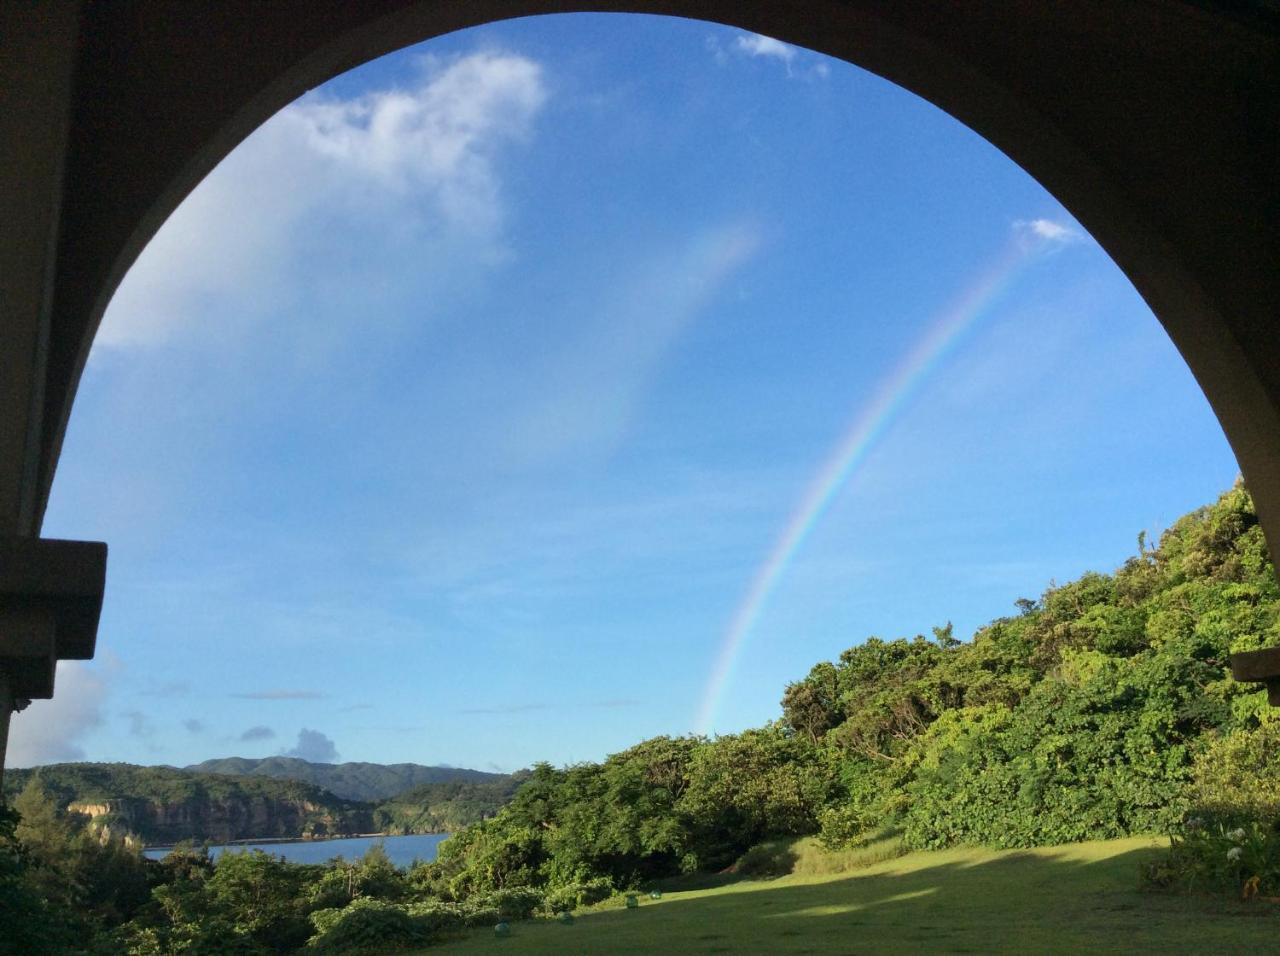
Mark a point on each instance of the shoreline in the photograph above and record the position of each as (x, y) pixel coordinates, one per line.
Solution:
(265, 841)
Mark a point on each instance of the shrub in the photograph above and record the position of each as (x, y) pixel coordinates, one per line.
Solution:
(513, 904)
(771, 858)
(813, 858)
(1221, 853)
(1238, 774)
(367, 926)
(438, 917)
(480, 915)
(213, 936)
(565, 898)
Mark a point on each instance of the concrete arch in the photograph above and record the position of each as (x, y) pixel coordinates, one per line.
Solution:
(1154, 122)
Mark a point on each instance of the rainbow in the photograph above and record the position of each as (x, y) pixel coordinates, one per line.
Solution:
(873, 421)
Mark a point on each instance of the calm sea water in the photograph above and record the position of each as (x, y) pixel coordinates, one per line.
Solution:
(403, 850)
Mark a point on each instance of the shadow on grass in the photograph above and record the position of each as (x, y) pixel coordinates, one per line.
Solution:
(698, 881)
(1059, 901)
(769, 860)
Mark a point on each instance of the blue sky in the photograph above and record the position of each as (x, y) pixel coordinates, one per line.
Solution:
(451, 418)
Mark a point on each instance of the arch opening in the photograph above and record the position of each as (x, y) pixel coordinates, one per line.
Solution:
(718, 250)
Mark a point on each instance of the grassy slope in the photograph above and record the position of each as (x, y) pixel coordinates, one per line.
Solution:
(1073, 899)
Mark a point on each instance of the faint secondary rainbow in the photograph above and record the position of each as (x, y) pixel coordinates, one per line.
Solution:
(870, 424)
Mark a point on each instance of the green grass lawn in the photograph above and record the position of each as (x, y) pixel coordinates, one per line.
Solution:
(1082, 898)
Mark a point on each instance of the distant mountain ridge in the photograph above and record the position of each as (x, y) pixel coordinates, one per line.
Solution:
(371, 782)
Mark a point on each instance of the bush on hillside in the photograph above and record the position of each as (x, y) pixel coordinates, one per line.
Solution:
(513, 904)
(367, 926)
(439, 918)
(1209, 853)
(769, 859)
(562, 899)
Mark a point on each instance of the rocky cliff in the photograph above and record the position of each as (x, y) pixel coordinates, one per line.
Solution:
(165, 805)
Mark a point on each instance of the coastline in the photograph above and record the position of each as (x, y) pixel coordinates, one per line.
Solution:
(297, 839)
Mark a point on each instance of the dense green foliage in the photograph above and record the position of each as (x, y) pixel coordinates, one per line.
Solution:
(665, 806)
(369, 782)
(69, 884)
(1080, 718)
(60, 882)
(445, 807)
(1230, 840)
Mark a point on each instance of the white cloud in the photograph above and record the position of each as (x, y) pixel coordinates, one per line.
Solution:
(432, 140)
(282, 694)
(324, 173)
(753, 44)
(799, 64)
(50, 731)
(314, 747)
(1046, 231)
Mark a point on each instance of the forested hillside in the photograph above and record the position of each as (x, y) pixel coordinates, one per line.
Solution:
(1102, 709)
(351, 781)
(445, 807)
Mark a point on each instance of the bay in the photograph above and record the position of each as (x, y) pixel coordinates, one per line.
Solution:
(402, 850)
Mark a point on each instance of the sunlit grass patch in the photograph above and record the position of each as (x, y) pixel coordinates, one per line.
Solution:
(835, 910)
(1079, 898)
(812, 859)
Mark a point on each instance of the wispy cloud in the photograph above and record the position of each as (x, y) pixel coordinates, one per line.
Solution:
(260, 732)
(352, 708)
(281, 694)
(140, 724)
(49, 731)
(313, 746)
(193, 725)
(604, 370)
(507, 709)
(753, 44)
(177, 688)
(1047, 231)
(570, 553)
(616, 703)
